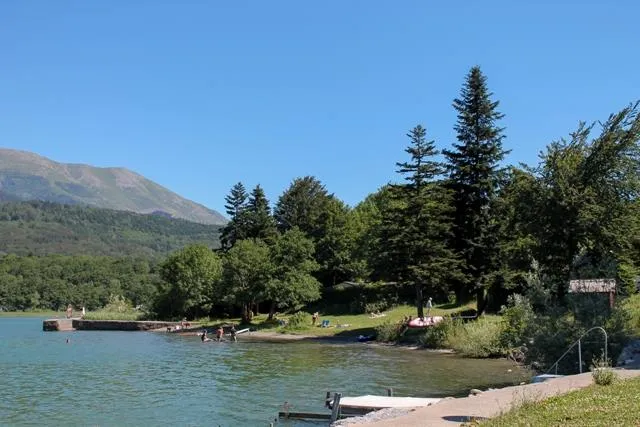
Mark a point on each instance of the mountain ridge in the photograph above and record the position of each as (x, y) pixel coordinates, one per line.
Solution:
(25, 176)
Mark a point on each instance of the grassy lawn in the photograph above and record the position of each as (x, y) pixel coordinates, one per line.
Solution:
(43, 313)
(344, 325)
(614, 405)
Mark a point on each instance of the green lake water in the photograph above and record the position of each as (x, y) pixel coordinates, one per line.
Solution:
(157, 379)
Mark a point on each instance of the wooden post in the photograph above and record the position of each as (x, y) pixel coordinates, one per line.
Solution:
(611, 299)
(390, 392)
(327, 399)
(336, 407)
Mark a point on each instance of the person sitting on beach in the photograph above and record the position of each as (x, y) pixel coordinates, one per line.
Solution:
(233, 333)
(219, 333)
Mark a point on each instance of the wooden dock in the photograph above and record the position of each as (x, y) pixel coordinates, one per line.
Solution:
(360, 405)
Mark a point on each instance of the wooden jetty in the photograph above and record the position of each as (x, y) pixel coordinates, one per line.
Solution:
(361, 405)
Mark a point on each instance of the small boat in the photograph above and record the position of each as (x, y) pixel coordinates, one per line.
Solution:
(423, 322)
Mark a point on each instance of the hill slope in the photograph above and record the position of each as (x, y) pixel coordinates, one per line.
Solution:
(42, 228)
(28, 176)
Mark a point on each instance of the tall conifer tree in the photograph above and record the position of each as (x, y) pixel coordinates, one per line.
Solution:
(260, 224)
(474, 166)
(236, 204)
(418, 222)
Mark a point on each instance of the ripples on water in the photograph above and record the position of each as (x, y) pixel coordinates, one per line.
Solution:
(155, 379)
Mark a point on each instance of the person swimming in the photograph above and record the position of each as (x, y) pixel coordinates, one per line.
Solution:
(233, 333)
(219, 333)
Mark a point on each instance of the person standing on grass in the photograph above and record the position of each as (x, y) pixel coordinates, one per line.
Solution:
(429, 306)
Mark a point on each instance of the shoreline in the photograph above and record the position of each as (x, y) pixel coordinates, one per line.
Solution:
(272, 336)
(485, 405)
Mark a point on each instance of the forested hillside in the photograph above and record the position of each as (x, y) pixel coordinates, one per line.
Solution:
(27, 176)
(53, 281)
(40, 228)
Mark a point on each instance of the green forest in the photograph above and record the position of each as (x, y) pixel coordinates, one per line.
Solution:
(456, 225)
(42, 228)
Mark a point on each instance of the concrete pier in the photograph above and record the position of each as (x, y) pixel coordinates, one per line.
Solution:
(58, 325)
(104, 325)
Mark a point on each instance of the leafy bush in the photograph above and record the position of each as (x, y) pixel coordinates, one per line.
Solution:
(518, 318)
(118, 304)
(436, 336)
(379, 306)
(389, 332)
(299, 320)
(631, 306)
(479, 338)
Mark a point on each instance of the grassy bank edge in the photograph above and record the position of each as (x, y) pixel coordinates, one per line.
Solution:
(615, 404)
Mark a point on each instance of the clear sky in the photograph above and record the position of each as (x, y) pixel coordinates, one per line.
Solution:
(200, 95)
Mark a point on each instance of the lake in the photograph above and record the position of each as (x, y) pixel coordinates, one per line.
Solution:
(157, 379)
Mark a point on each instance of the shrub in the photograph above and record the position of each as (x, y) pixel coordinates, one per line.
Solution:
(631, 306)
(602, 372)
(389, 332)
(518, 318)
(299, 320)
(118, 304)
(437, 336)
(480, 338)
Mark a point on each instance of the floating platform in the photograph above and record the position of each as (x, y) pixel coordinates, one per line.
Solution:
(364, 404)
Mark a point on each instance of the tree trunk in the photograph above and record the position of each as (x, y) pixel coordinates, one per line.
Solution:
(419, 300)
(272, 310)
(481, 301)
(246, 313)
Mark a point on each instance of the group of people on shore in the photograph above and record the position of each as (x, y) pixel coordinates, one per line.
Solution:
(219, 334)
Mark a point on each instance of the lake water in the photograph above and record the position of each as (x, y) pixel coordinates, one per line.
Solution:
(156, 379)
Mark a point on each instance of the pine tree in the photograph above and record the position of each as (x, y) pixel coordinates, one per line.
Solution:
(235, 229)
(259, 222)
(418, 222)
(474, 166)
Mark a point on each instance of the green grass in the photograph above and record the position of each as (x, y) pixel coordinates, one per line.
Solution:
(613, 405)
(34, 313)
(357, 323)
(113, 315)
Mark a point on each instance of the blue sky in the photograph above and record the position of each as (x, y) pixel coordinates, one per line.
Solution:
(199, 95)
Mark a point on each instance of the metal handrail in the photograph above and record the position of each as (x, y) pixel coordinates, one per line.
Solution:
(580, 349)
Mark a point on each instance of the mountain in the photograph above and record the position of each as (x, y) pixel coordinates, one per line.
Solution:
(28, 176)
(45, 228)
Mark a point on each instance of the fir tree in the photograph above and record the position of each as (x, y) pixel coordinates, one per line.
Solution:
(259, 222)
(418, 222)
(474, 179)
(235, 229)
